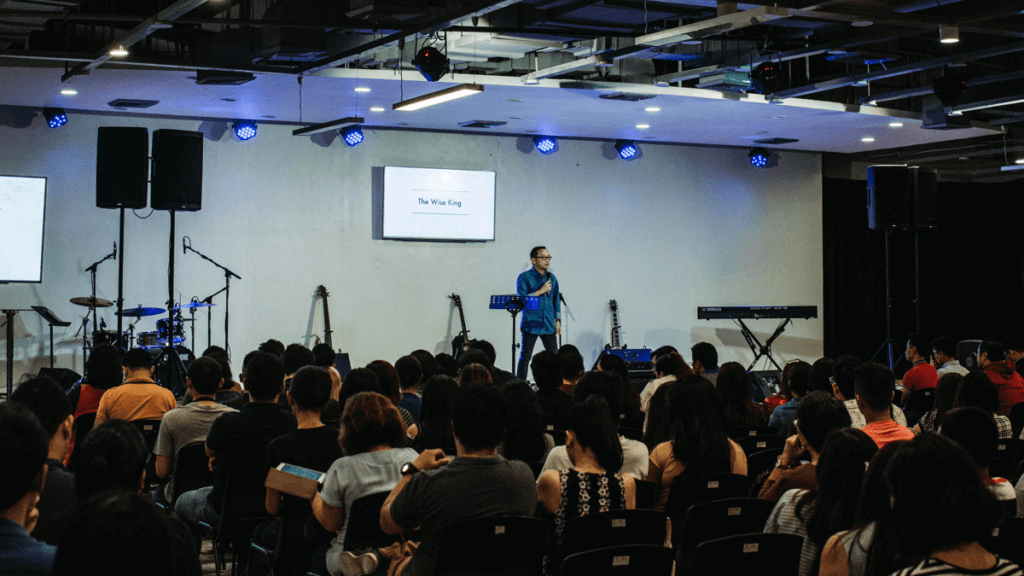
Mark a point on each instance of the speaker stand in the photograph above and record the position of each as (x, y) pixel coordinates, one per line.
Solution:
(887, 343)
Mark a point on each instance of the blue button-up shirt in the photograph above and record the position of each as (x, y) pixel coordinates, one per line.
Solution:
(541, 320)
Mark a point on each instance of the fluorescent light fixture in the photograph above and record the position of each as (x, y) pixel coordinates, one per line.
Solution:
(119, 51)
(69, 91)
(438, 97)
(377, 109)
(652, 109)
(328, 126)
(1019, 161)
(868, 139)
(362, 89)
(996, 103)
(643, 126)
(1010, 168)
(949, 34)
(895, 124)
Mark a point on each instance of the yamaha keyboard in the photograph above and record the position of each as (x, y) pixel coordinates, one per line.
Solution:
(729, 312)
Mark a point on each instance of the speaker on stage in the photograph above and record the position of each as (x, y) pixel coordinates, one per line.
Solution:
(967, 353)
(122, 167)
(177, 182)
(901, 197)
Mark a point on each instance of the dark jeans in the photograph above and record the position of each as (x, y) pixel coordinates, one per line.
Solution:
(550, 344)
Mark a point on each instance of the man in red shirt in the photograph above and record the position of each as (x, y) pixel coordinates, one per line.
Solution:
(874, 386)
(992, 359)
(923, 375)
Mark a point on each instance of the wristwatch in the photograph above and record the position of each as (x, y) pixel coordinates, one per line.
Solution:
(408, 469)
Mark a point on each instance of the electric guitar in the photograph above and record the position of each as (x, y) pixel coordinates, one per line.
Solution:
(321, 291)
(615, 344)
(460, 343)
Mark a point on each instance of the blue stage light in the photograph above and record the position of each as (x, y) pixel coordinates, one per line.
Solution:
(245, 129)
(545, 144)
(627, 149)
(353, 135)
(759, 157)
(55, 117)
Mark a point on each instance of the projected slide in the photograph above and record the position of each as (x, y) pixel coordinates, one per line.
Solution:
(438, 204)
(22, 205)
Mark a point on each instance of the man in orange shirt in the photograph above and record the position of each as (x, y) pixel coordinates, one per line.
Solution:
(875, 387)
(139, 397)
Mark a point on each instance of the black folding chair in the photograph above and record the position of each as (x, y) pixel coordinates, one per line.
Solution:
(751, 444)
(744, 431)
(364, 524)
(629, 560)
(711, 487)
(613, 528)
(749, 555)
(1006, 540)
(718, 519)
(918, 404)
(505, 546)
(240, 511)
(646, 494)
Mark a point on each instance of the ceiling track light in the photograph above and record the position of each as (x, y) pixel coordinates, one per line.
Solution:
(627, 149)
(244, 129)
(431, 63)
(438, 97)
(545, 144)
(949, 34)
(948, 88)
(55, 117)
(353, 135)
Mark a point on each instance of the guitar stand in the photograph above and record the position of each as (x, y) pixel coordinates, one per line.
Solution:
(762, 350)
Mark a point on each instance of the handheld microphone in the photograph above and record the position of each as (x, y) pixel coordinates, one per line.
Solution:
(183, 249)
(561, 298)
(115, 249)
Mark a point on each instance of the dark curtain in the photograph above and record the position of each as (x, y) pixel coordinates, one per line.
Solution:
(970, 269)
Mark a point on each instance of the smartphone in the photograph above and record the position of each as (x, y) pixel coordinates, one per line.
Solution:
(314, 475)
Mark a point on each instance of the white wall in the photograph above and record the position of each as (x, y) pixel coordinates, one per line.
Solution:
(682, 226)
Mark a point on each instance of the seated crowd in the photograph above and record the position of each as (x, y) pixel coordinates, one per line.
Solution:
(874, 476)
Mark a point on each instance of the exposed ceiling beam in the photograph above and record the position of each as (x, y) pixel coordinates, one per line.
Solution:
(602, 59)
(984, 104)
(346, 23)
(711, 26)
(897, 71)
(432, 24)
(925, 90)
(172, 12)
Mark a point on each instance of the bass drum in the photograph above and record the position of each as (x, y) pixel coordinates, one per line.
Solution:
(149, 340)
(110, 337)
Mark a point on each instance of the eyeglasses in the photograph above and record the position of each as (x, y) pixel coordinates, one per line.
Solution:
(543, 257)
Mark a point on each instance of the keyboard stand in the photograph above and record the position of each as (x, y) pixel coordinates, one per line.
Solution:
(761, 350)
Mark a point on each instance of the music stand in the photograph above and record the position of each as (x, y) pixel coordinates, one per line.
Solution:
(52, 320)
(513, 303)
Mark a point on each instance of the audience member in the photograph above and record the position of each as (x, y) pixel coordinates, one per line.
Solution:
(975, 431)
(410, 375)
(139, 397)
(977, 390)
(48, 402)
(190, 423)
(447, 364)
(356, 381)
(498, 376)
(433, 493)
(843, 388)
(372, 434)
(474, 374)
(734, 389)
(992, 359)
(668, 368)
(818, 414)
(1014, 346)
(606, 386)
(818, 514)
(242, 438)
(705, 361)
(659, 421)
(820, 376)
(630, 398)
(783, 395)
(782, 417)
(700, 444)
(571, 365)
(391, 387)
(229, 389)
(874, 385)
(945, 396)
(435, 426)
(275, 347)
(103, 372)
(23, 450)
(594, 484)
(429, 366)
(922, 376)
(944, 357)
(295, 356)
(524, 438)
(547, 374)
(933, 527)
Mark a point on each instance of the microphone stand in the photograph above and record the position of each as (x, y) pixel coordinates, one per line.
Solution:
(565, 317)
(92, 270)
(209, 315)
(227, 292)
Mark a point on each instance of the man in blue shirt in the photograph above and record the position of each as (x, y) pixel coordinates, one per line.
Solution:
(545, 321)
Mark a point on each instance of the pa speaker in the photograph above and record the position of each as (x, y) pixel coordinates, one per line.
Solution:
(177, 170)
(901, 197)
(967, 353)
(122, 167)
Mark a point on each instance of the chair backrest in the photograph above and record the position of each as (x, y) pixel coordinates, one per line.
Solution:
(82, 426)
(759, 461)
(721, 518)
(637, 423)
(1006, 540)
(191, 469)
(629, 560)
(150, 430)
(631, 433)
(646, 494)
(744, 431)
(536, 468)
(240, 500)
(507, 545)
(1017, 418)
(711, 487)
(613, 528)
(920, 401)
(751, 444)
(749, 555)
(364, 524)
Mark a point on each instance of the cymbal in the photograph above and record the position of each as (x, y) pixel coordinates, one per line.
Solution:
(192, 305)
(142, 311)
(92, 302)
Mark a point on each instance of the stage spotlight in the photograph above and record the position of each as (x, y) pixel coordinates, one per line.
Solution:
(353, 135)
(245, 129)
(431, 63)
(545, 144)
(55, 117)
(765, 78)
(759, 157)
(627, 149)
(949, 88)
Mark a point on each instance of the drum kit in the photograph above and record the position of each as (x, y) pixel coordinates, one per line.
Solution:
(167, 333)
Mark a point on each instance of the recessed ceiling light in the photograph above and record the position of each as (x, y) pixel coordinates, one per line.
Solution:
(1019, 161)
(515, 117)
(119, 51)
(69, 91)
(643, 126)
(867, 139)
(376, 109)
(652, 109)
(895, 124)
(514, 99)
(227, 100)
(362, 89)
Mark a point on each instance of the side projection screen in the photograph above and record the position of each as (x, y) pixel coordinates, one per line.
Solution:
(22, 207)
(438, 204)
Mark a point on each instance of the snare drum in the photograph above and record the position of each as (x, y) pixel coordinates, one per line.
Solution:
(177, 331)
(149, 340)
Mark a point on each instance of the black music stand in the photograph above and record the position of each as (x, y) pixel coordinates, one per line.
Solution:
(52, 320)
(513, 303)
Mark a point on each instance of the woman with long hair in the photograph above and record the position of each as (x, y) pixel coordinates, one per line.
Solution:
(390, 386)
(658, 425)
(435, 425)
(977, 390)
(594, 484)
(818, 514)
(524, 438)
(700, 442)
(733, 386)
(945, 396)
(630, 397)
